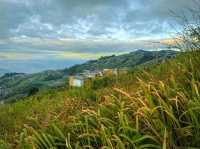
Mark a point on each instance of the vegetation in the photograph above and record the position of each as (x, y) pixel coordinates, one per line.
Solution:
(150, 107)
(153, 106)
(18, 85)
(130, 60)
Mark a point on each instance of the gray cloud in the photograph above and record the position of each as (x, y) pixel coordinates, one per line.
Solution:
(41, 34)
(115, 24)
(58, 18)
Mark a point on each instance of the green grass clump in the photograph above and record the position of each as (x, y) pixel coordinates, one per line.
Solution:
(153, 107)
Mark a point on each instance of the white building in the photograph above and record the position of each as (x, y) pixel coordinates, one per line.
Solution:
(79, 80)
(92, 74)
(76, 81)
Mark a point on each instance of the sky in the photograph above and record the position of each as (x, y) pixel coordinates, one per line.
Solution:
(36, 35)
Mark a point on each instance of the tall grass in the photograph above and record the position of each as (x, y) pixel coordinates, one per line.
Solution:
(156, 107)
(162, 111)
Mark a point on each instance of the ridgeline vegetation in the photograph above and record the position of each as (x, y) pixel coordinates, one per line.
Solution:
(155, 107)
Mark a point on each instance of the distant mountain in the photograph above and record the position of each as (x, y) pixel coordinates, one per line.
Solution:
(139, 57)
(18, 85)
(3, 71)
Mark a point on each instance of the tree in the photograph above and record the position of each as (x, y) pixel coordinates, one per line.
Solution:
(33, 91)
(189, 36)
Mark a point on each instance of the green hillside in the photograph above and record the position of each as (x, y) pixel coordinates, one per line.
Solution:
(129, 60)
(18, 85)
(156, 106)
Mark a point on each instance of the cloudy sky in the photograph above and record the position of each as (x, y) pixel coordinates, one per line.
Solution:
(53, 34)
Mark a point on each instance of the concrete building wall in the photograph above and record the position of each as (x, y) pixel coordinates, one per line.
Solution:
(76, 82)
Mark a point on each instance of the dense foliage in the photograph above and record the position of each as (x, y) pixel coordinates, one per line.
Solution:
(152, 107)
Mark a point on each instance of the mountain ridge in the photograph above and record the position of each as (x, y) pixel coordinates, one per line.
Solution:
(19, 85)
